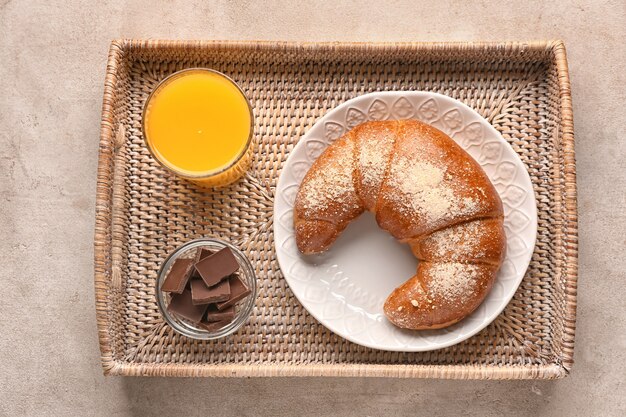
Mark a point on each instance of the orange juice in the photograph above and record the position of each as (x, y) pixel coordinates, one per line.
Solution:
(198, 124)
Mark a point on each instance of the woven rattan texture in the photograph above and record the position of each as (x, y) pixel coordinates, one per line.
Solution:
(144, 212)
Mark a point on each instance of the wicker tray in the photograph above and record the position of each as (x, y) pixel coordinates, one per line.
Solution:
(143, 212)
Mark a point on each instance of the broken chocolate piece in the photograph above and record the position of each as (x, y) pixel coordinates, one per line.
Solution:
(178, 275)
(201, 294)
(202, 253)
(211, 327)
(238, 291)
(218, 266)
(182, 305)
(213, 314)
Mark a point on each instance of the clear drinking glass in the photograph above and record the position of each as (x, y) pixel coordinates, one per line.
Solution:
(212, 178)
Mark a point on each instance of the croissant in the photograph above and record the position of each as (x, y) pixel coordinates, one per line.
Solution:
(426, 191)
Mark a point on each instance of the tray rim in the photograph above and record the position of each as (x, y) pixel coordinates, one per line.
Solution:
(106, 202)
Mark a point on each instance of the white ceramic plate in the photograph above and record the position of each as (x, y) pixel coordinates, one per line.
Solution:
(346, 287)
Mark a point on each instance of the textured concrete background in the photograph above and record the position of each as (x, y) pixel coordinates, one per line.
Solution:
(52, 64)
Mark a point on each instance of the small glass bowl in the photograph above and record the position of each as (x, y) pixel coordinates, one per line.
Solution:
(243, 308)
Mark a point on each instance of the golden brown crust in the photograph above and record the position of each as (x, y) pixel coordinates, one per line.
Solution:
(426, 191)
(424, 302)
(475, 241)
(330, 198)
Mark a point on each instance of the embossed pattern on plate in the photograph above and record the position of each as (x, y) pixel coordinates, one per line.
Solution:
(345, 287)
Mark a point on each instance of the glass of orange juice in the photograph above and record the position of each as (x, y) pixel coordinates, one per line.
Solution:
(198, 124)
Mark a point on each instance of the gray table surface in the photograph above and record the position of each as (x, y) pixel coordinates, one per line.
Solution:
(52, 63)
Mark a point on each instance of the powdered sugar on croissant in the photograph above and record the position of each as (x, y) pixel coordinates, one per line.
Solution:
(424, 190)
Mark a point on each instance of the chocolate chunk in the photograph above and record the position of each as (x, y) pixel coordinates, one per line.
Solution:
(182, 305)
(211, 327)
(201, 294)
(213, 314)
(178, 275)
(202, 253)
(238, 291)
(218, 266)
